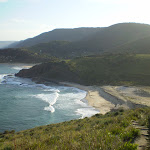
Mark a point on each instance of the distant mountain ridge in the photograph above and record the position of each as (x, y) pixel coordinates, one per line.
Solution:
(118, 38)
(70, 43)
(118, 34)
(140, 46)
(56, 35)
(4, 44)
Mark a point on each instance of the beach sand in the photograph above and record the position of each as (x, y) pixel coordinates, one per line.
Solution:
(136, 94)
(107, 98)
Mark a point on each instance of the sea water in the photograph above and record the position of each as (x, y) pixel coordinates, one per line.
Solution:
(25, 104)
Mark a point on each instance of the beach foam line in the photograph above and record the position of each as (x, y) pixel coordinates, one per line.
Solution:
(13, 80)
(87, 112)
(50, 99)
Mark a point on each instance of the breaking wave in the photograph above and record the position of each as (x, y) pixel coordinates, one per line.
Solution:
(50, 99)
(70, 98)
(2, 78)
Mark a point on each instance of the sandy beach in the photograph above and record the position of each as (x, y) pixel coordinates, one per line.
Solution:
(106, 98)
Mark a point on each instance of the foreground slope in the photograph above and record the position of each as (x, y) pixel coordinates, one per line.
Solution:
(111, 131)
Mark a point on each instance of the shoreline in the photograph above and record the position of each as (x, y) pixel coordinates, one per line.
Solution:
(92, 97)
(102, 100)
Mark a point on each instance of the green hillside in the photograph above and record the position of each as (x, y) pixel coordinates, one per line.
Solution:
(58, 34)
(54, 48)
(139, 46)
(120, 69)
(117, 34)
(114, 69)
(22, 56)
(119, 38)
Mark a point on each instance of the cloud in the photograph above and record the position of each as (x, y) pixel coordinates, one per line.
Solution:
(1, 1)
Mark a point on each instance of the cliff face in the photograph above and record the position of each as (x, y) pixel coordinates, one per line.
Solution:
(55, 71)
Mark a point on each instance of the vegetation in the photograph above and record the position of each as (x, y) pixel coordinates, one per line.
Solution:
(121, 69)
(111, 131)
(118, 69)
(54, 48)
(22, 56)
(71, 43)
(58, 35)
(148, 125)
(116, 55)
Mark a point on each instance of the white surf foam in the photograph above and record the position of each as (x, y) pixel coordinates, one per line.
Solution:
(11, 79)
(50, 99)
(70, 98)
(87, 112)
(74, 99)
(21, 67)
(17, 68)
(2, 78)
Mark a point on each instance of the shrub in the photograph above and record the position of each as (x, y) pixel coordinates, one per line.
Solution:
(128, 146)
(130, 134)
(148, 132)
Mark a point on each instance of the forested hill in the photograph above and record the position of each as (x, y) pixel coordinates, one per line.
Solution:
(22, 56)
(69, 43)
(117, 35)
(118, 69)
(58, 34)
(138, 46)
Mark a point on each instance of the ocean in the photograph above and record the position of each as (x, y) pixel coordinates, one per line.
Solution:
(25, 104)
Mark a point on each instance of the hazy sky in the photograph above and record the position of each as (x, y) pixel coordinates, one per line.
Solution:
(21, 19)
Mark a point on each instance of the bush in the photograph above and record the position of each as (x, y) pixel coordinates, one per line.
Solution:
(148, 132)
(6, 132)
(128, 146)
(130, 135)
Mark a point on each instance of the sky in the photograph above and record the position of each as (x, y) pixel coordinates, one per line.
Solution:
(22, 19)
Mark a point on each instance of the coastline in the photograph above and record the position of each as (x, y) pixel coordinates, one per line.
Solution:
(104, 101)
(93, 98)
(106, 98)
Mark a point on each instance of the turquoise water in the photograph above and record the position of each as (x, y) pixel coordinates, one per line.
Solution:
(25, 104)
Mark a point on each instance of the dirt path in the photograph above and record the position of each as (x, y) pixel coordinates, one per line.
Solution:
(142, 140)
